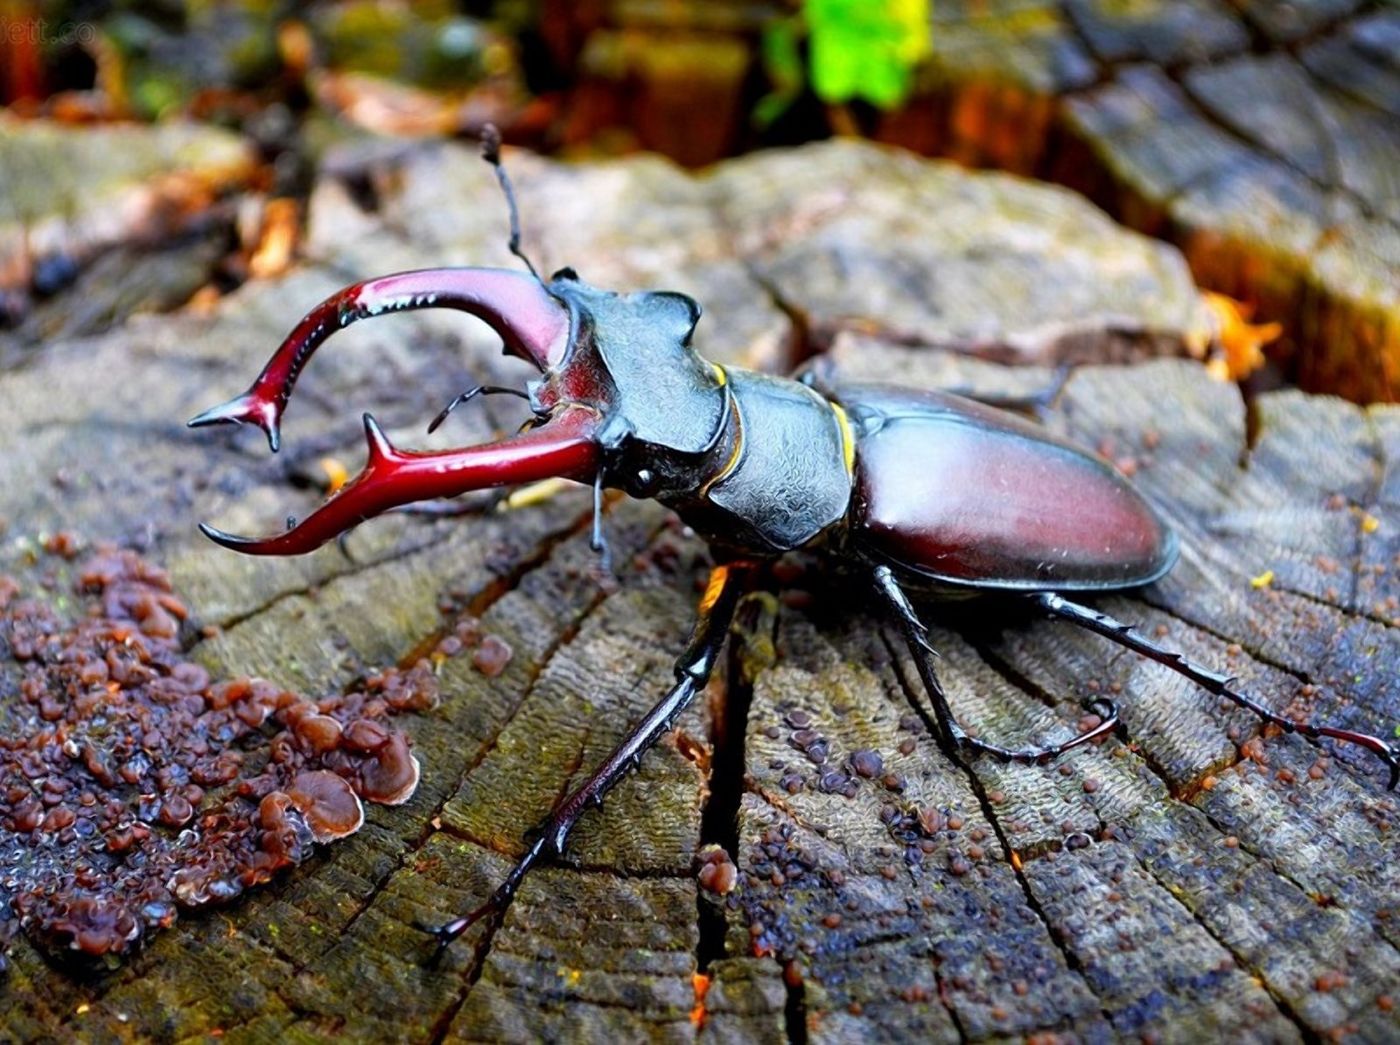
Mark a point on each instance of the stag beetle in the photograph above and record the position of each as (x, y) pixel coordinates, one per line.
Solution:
(922, 491)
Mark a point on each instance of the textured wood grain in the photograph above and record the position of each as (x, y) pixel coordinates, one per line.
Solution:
(1260, 138)
(1160, 885)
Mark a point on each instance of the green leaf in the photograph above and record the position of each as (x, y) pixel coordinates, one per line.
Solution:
(866, 49)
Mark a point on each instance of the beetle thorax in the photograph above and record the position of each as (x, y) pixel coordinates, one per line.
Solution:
(664, 408)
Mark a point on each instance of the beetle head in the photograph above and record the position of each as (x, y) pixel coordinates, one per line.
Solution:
(621, 394)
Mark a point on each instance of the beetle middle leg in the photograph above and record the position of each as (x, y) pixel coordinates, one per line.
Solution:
(1213, 682)
(916, 636)
(693, 668)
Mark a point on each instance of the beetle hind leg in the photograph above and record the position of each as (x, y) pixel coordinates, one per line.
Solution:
(1211, 681)
(916, 636)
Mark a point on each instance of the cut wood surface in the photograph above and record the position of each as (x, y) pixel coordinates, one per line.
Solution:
(1184, 880)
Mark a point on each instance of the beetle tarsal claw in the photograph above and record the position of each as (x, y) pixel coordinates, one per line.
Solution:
(249, 408)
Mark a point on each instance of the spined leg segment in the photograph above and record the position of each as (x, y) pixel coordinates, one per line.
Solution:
(693, 669)
(1212, 681)
(916, 636)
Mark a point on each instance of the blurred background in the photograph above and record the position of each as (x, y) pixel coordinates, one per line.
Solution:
(1261, 137)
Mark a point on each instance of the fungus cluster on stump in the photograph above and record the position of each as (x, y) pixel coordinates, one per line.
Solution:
(132, 784)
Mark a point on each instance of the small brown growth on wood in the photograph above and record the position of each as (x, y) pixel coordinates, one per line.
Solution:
(117, 743)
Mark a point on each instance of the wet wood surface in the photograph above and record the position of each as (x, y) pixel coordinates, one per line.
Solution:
(1185, 879)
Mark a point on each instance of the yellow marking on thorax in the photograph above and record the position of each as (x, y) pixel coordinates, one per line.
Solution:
(719, 577)
(738, 450)
(848, 440)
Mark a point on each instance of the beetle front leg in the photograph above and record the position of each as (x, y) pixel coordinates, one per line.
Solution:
(1212, 681)
(693, 669)
(916, 636)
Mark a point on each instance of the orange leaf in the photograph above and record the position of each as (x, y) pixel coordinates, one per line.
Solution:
(1239, 343)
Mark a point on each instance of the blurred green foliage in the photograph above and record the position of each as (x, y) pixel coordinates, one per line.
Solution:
(426, 44)
(866, 50)
(857, 50)
(159, 56)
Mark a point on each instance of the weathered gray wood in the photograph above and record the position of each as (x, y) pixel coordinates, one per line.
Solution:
(1161, 33)
(1316, 211)
(1164, 886)
(1260, 138)
(882, 242)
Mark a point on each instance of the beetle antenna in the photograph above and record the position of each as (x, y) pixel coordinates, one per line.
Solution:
(467, 396)
(491, 153)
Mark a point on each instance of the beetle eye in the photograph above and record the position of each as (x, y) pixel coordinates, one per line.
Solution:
(644, 479)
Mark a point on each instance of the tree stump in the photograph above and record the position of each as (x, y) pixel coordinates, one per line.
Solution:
(1187, 879)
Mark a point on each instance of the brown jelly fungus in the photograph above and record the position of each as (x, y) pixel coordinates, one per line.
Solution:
(327, 802)
(132, 784)
(493, 656)
(716, 872)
